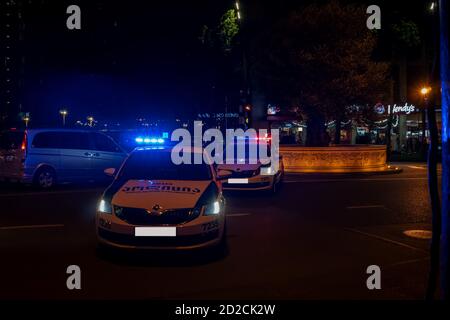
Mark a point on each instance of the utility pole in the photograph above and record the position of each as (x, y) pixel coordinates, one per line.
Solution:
(429, 102)
(433, 190)
(445, 93)
(245, 99)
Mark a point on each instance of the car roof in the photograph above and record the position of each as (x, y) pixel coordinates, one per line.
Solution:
(143, 149)
(163, 149)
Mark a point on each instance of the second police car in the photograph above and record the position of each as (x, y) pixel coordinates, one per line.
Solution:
(253, 175)
(155, 204)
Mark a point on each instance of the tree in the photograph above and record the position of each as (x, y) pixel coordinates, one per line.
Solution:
(405, 39)
(228, 30)
(223, 36)
(222, 60)
(407, 32)
(320, 59)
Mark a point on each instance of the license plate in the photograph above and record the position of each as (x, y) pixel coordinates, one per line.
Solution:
(236, 181)
(155, 232)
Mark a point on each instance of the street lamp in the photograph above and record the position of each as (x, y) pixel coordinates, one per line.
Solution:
(90, 120)
(432, 6)
(63, 114)
(26, 119)
(424, 91)
(238, 12)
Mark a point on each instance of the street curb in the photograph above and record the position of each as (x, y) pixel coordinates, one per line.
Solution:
(395, 170)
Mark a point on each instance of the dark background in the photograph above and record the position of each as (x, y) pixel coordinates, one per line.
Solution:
(138, 58)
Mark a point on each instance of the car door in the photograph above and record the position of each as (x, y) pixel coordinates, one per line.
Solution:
(76, 156)
(107, 154)
(44, 150)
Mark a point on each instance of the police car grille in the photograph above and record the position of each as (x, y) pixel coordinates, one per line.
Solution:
(179, 241)
(245, 173)
(246, 185)
(138, 216)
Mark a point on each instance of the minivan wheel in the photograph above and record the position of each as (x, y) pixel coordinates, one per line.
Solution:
(45, 178)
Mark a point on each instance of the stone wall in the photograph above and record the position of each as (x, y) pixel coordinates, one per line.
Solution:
(336, 159)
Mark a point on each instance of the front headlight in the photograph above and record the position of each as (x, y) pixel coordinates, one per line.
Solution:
(267, 171)
(104, 206)
(212, 208)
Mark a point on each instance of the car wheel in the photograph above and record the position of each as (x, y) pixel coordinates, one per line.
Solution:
(275, 187)
(102, 250)
(45, 178)
(222, 247)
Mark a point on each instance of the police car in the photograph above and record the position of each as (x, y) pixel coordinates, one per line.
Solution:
(255, 177)
(156, 204)
(247, 174)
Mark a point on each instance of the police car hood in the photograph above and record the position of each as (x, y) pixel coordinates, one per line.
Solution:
(239, 167)
(168, 194)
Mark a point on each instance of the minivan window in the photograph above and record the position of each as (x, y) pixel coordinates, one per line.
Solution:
(62, 140)
(103, 143)
(46, 140)
(75, 140)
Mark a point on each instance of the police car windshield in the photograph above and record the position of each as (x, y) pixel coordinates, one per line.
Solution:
(158, 165)
(248, 156)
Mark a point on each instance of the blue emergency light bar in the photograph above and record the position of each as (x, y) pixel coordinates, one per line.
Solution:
(149, 140)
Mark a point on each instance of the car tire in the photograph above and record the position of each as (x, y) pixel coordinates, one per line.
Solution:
(277, 185)
(102, 249)
(45, 178)
(222, 248)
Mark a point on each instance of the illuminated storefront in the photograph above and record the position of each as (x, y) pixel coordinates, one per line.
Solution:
(406, 123)
(292, 128)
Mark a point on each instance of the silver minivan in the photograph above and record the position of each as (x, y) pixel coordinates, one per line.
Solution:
(45, 157)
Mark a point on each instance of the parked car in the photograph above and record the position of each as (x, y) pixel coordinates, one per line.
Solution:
(255, 177)
(156, 204)
(45, 157)
(248, 173)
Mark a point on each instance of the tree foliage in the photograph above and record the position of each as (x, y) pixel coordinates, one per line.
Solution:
(228, 29)
(407, 32)
(320, 59)
(223, 36)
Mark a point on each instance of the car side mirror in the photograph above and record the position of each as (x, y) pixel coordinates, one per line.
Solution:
(224, 174)
(110, 172)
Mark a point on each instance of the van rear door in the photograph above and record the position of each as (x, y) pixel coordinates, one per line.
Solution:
(12, 154)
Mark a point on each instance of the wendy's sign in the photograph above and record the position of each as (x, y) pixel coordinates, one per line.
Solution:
(379, 108)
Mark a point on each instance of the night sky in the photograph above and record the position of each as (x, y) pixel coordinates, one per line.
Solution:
(131, 58)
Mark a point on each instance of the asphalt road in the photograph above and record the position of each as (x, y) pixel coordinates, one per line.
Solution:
(312, 240)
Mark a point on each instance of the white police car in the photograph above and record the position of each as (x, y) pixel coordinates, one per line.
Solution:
(257, 177)
(245, 170)
(155, 204)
